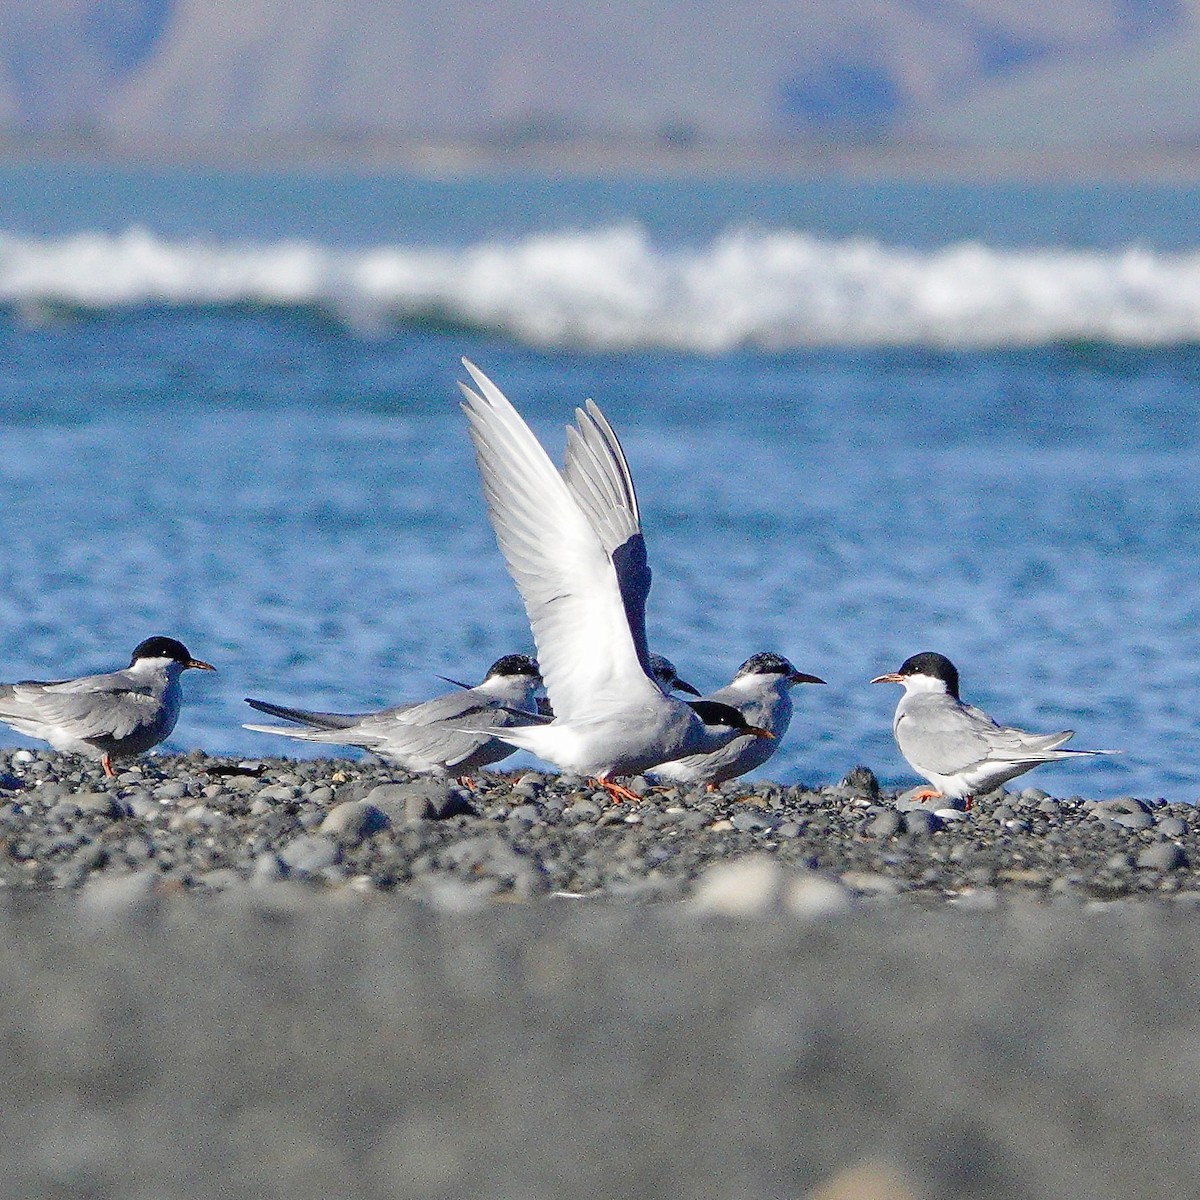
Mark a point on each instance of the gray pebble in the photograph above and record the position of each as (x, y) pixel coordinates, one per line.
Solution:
(1162, 856)
(220, 880)
(525, 814)
(144, 806)
(306, 855)
(1121, 804)
(353, 821)
(99, 803)
(279, 792)
(1171, 827)
(423, 799)
(862, 781)
(886, 825)
(582, 810)
(753, 820)
(1134, 821)
(65, 811)
(919, 822)
(268, 868)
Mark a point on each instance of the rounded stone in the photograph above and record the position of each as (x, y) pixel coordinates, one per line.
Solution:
(920, 823)
(1162, 856)
(308, 854)
(745, 888)
(353, 821)
(1171, 827)
(886, 825)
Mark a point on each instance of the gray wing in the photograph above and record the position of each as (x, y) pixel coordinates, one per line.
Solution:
(949, 737)
(449, 707)
(96, 706)
(305, 716)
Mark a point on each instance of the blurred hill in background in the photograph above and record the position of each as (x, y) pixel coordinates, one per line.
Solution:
(1073, 80)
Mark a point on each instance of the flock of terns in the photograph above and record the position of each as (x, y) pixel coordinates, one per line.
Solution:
(573, 544)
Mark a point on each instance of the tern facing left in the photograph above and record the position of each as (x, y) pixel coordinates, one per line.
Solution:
(956, 746)
(573, 544)
(118, 715)
(762, 691)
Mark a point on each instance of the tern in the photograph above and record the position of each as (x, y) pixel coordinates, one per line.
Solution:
(118, 715)
(956, 746)
(573, 545)
(762, 691)
(450, 733)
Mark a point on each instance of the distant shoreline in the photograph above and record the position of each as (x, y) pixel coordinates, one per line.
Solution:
(638, 158)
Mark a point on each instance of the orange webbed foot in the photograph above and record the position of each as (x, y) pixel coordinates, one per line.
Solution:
(617, 792)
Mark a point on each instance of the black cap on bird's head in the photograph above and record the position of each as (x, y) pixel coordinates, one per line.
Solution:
(713, 712)
(767, 663)
(169, 648)
(931, 665)
(515, 664)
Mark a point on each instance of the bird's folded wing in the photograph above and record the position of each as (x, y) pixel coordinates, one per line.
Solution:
(447, 744)
(441, 708)
(945, 739)
(573, 597)
(95, 707)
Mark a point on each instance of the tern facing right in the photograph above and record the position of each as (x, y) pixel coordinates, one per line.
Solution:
(573, 545)
(762, 691)
(956, 746)
(117, 715)
(451, 732)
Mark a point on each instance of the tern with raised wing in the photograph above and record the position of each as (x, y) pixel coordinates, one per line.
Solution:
(573, 545)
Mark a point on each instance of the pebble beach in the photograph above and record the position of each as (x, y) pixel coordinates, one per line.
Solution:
(266, 977)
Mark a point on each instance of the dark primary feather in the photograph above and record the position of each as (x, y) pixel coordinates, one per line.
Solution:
(302, 716)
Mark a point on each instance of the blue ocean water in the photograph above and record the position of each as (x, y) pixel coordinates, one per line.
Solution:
(864, 420)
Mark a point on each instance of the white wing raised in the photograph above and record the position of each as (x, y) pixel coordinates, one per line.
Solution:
(588, 628)
(597, 475)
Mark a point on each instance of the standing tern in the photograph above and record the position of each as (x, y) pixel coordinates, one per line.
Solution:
(118, 715)
(762, 691)
(451, 732)
(573, 545)
(956, 746)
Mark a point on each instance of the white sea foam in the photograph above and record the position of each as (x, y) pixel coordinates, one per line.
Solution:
(614, 288)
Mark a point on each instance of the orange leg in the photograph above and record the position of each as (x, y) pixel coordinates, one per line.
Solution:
(927, 793)
(467, 782)
(106, 763)
(617, 792)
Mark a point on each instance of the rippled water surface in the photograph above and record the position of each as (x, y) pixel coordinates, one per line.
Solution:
(283, 479)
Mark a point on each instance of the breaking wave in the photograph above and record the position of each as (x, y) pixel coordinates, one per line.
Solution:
(613, 289)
